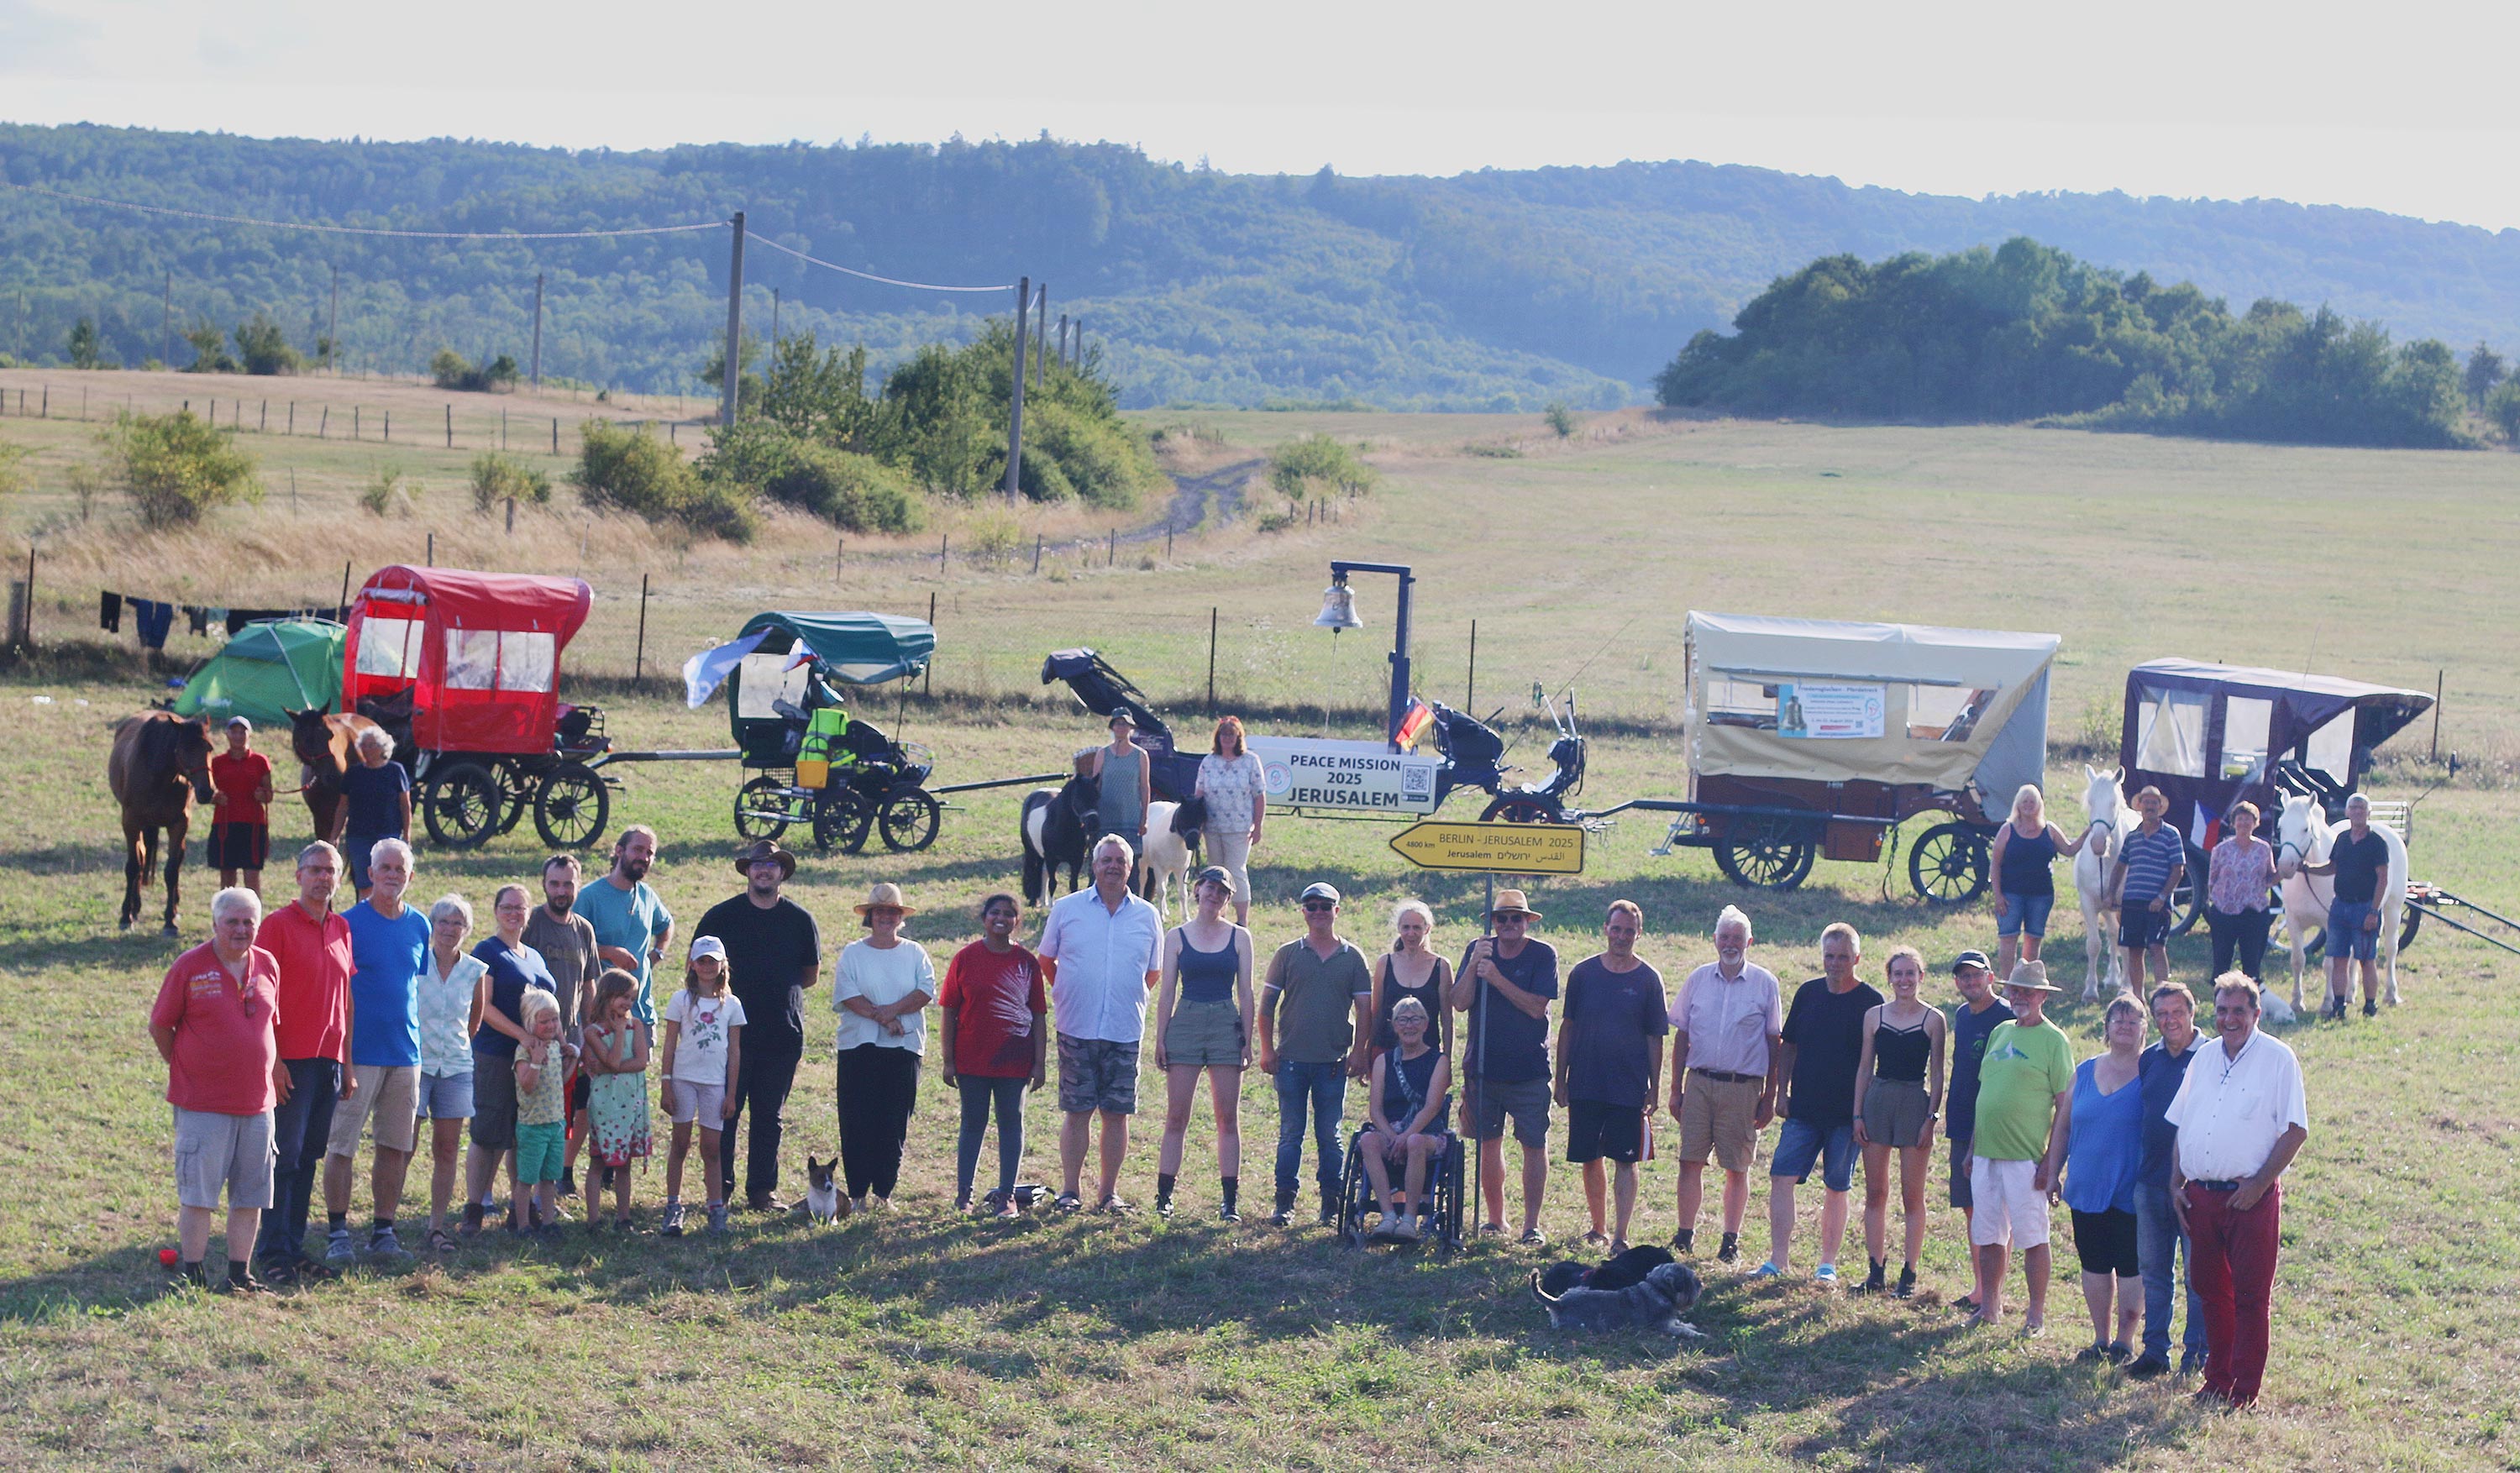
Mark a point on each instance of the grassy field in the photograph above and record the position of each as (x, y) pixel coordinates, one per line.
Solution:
(921, 1339)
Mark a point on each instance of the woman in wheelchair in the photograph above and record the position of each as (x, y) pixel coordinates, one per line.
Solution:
(1412, 1086)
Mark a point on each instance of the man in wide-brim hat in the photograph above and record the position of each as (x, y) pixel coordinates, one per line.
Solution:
(774, 952)
(2024, 1111)
(1505, 1057)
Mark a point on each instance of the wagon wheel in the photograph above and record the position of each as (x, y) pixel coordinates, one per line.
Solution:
(1765, 853)
(1519, 809)
(515, 796)
(461, 805)
(1947, 864)
(2187, 897)
(571, 806)
(2407, 927)
(841, 820)
(908, 820)
(762, 808)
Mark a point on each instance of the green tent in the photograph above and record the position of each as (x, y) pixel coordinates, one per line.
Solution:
(267, 671)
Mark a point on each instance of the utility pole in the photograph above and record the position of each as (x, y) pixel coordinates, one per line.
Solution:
(1062, 339)
(734, 322)
(166, 327)
(1076, 345)
(774, 319)
(1014, 416)
(538, 333)
(333, 329)
(1040, 333)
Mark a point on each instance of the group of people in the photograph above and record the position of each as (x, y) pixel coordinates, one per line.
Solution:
(294, 1037)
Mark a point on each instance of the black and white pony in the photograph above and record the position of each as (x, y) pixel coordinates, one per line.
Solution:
(1172, 848)
(1059, 824)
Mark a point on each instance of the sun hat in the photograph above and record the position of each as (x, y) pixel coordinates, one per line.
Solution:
(2032, 975)
(1513, 903)
(887, 896)
(765, 849)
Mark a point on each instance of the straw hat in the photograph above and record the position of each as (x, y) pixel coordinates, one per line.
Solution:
(2032, 975)
(887, 895)
(1513, 903)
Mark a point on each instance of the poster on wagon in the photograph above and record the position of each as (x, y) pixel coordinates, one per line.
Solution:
(1835, 711)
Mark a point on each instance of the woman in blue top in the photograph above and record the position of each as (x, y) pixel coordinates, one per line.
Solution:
(2026, 848)
(2103, 1151)
(1203, 1021)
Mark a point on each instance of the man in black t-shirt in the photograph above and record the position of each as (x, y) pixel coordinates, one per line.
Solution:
(1609, 1065)
(1504, 1055)
(774, 952)
(2358, 857)
(1823, 1040)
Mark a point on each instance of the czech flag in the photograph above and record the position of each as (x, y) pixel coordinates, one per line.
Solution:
(1413, 723)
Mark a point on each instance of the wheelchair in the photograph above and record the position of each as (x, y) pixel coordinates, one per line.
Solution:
(1444, 1190)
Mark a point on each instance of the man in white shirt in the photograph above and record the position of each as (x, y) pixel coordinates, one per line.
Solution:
(1102, 951)
(2241, 1119)
(1725, 1023)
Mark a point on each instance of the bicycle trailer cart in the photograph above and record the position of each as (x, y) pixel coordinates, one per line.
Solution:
(463, 669)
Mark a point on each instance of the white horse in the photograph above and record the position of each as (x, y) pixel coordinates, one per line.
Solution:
(2112, 819)
(1165, 862)
(2304, 835)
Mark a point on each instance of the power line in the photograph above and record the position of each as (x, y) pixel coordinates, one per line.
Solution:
(870, 276)
(363, 230)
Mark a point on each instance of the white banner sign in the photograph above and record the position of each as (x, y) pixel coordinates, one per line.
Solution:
(1824, 712)
(1356, 777)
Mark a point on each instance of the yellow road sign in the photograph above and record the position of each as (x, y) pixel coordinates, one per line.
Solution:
(1493, 848)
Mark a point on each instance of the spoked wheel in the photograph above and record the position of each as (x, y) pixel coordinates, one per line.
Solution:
(763, 808)
(1765, 853)
(1513, 809)
(571, 806)
(515, 796)
(463, 805)
(841, 820)
(1947, 864)
(908, 820)
(2187, 897)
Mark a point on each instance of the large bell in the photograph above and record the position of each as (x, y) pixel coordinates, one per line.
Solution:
(1338, 607)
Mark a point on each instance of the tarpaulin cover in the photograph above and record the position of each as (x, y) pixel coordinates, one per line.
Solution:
(479, 651)
(267, 671)
(859, 648)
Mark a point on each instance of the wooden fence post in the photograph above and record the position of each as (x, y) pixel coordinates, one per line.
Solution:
(1211, 660)
(639, 658)
(1036, 554)
(942, 541)
(450, 426)
(928, 677)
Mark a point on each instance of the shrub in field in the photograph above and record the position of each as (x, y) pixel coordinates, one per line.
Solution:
(86, 346)
(1317, 464)
(210, 350)
(2503, 407)
(992, 536)
(627, 468)
(497, 476)
(264, 348)
(388, 494)
(1105, 463)
(857, 492)
(12, 476)
(1563, 419)
(175, 467)
(450, 369)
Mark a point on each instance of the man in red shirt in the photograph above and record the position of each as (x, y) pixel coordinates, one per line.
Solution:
(311, 944)
(240, 808)
(214, 1026)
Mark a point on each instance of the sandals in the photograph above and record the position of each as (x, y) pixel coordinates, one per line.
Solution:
(439, 1240)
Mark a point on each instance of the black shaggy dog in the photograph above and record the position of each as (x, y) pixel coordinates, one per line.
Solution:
(1659, 1300)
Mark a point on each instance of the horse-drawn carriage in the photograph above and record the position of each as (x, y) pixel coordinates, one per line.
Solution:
(808, 759)
(463, 669)
(1810, 738)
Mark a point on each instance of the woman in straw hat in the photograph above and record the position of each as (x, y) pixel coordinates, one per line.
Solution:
(882, 995)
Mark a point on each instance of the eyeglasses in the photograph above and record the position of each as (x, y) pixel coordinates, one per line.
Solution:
(1321, 905)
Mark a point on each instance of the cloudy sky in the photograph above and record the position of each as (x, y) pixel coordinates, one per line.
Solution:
(2408, 107)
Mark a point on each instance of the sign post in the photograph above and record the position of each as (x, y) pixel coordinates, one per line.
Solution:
(1491, 849)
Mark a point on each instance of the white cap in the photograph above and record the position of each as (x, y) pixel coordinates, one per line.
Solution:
(707, 946)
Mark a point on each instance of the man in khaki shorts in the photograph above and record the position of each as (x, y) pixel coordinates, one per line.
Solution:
(1726, 1024)
(215, 1025)
(388, 951)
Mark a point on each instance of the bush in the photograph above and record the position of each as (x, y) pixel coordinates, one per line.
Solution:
(175, 467)
(449, 370)
(857, 492)
(13, 477)
(264, 347)
(1563, 419)
(497, 476)
(2503, 407)
(210, 350)
(387, 494)
(86, 345)
(1317, 462)
(626, 467)
(1103, 463)
(992, 536)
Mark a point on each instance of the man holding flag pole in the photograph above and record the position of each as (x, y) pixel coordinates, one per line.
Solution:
(1509, 1072)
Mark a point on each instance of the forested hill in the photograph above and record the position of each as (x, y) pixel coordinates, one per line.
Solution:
(1486, 289)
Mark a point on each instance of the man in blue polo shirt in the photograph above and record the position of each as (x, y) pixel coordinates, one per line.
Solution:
(388, 951)
(2149, 866)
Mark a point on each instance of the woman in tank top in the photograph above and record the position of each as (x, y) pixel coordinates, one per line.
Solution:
(1407, 1094)
(2026, 850)
(1127, 783)
(1411, 969)
(1203, 1021)
(1899, 1095)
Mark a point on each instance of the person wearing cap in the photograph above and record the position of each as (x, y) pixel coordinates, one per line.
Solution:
(1505, 1057)
(1103, 949)
(1203, 1021)
(1127, 778)
(2241, 1117)
(1609, 1067)
(1818, 1047)
(1972, 1023)
(240, 809)
(881, 993)
(774, 952)
(1314, 1027)
(1727, 1025)
(2025, 1112)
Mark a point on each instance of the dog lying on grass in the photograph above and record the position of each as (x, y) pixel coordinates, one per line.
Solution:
(1658, 1301)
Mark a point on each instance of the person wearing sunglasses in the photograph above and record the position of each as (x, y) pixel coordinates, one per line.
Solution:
(1313, 1029)
(215, 1025)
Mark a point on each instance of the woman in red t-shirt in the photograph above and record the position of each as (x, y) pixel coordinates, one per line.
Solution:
(997, 1043)
(240, 817)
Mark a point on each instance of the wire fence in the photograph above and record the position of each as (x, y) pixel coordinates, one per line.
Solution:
(406, 413)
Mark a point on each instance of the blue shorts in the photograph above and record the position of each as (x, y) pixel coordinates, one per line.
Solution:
(541, 1151)
(1801, 1145)
(2025, 913)
(2346, 938)
(446, 1096)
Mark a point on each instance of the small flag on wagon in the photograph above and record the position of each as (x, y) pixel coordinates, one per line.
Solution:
(1413, 723)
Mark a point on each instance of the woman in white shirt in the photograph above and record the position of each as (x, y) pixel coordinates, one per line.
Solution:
(451, 993)
(1236, 795)
(882, 995)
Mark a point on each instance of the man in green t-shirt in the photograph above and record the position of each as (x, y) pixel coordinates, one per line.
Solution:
(2024, 1108)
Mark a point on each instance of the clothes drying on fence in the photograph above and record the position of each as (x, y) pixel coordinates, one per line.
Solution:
(154, 619)
(157, 617)
(109, 612)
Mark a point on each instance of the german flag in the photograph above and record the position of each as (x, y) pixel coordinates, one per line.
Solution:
(1413, 723)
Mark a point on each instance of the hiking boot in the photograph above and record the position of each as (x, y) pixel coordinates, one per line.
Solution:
(2370, 1007)
(2146, 1367)
(1731, 1250)
(1907, 1283)
(1283, 1217)
(1875, 1281)
(673, 1220)
(1682, 1242)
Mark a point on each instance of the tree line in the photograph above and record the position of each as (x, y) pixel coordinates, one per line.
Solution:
(2027, 331)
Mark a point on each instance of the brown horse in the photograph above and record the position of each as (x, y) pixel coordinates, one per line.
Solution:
(326, 745)
(160, 766)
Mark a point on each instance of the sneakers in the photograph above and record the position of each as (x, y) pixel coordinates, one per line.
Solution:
(2191, 1363)
(1163, 1207)
(1767, 1270)
(1826, 1274)
(383, 1243)
(673, 1220)
(717, 1219)
(1283, 1217)
(2145, 1368)
(1907, 1288)
(1229, 1214)
(2120, 1353)
(1401, 1228)
(1731, 1250)
(337, 1250)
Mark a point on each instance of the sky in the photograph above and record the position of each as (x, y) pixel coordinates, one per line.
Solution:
(2407, 108)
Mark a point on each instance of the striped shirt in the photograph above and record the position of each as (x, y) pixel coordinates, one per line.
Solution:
(2150, 857)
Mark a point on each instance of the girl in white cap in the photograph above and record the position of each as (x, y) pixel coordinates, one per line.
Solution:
(703, 1052)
